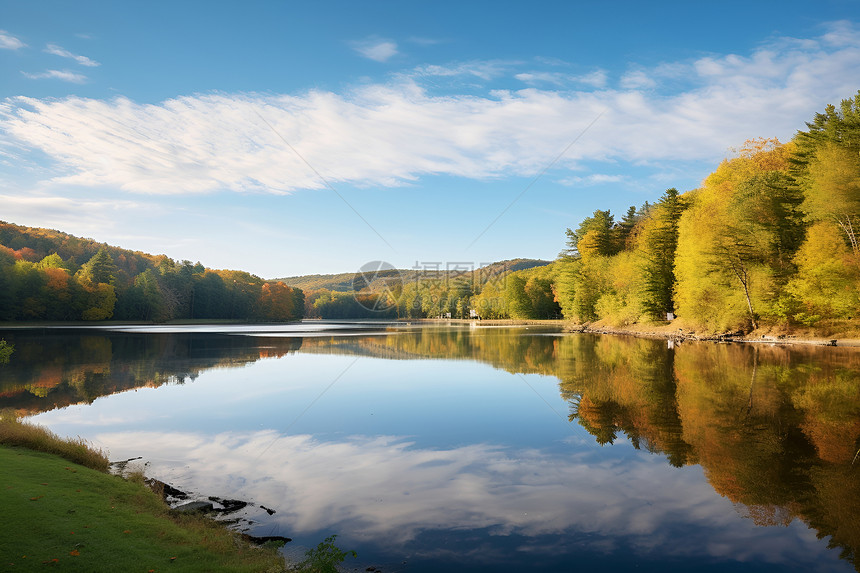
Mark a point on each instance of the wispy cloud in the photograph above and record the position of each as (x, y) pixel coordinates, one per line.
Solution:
(86, 217)
(483, 69)
(535, 78)
(637, 79)
(376, 49)
(594, 179)
(422, 41)
(596, 79)
(10, 42)
(64, 75)
(391, 134)
(63, 53)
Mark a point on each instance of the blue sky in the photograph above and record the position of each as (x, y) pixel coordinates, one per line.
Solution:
(288, 138)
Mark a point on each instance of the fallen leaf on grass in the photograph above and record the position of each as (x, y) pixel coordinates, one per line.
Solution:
(36, 498)
(74, 552)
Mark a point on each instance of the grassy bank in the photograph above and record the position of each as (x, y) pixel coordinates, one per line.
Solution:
(72, 517)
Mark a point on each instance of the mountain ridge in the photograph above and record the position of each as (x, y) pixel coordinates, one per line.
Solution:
(343, 282)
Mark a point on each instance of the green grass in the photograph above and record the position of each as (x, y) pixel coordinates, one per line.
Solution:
(68, 517)
(14, 432)
(61, 509)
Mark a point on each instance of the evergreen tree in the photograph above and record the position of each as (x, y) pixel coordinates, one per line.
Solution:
(658, 242)
(100, 269)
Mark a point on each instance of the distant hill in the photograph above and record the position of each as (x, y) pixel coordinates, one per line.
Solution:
(343, 282)
(53, 276)
(35, 243)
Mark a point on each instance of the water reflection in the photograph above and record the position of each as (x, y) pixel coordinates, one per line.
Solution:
(54, 368)
(407, 449)
(385, 490)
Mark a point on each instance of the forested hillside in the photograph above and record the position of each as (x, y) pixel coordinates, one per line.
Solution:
(425, 291)
(49, 275)
(343, 282)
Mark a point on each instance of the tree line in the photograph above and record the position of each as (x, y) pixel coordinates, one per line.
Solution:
(771, 237)
(127, 285)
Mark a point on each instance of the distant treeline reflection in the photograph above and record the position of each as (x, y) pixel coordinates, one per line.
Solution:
(73, 367)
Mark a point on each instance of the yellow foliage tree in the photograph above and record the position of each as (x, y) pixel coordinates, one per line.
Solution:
(833, 191)
(827, 283)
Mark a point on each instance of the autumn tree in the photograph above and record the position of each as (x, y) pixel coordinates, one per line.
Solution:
(827, 283)
(278, 302)
(737, 239)
(518, 303)
(825, 165)
(833, 190)
(594, 235)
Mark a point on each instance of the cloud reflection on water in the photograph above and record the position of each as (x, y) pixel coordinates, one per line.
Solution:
(383, 490)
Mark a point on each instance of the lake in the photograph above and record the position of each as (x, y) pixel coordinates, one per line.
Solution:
(471, 448)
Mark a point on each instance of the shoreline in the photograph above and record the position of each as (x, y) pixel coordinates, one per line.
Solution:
(674, 330)
(667, 331)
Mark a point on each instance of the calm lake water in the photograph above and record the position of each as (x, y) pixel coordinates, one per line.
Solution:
(457, 448)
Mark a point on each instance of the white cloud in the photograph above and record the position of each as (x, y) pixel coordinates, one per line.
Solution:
(484, 69)
(595, 179)
(595, 79)
(64, 75)
(534, 78)
(637, 79)
(376, 49)
(390, 134)
(10, 42)
(63, 53)
(841, 34)
(84, 217)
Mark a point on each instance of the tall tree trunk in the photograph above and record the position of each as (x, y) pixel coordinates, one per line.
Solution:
(743, 277)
